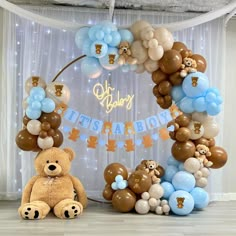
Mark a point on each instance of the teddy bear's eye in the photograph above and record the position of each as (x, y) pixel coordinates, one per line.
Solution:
(56, 161)
(47, 161)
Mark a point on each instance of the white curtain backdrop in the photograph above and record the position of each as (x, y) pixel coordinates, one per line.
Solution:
(33, 49)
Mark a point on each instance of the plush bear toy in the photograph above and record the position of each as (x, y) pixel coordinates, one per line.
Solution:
(125, 54)
(189, 66)
(53, 187)
(202, 152)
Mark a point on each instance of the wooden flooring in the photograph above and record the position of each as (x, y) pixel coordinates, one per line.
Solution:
(219, 218)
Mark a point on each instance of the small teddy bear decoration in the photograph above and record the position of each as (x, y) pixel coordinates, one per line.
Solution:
(202, 152)
(125, 54)
(189, 66)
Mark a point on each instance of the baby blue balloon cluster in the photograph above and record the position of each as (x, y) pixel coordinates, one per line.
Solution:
(180, 189)
(196, 95)
(38, 103)
(119, 183)
(100, 44)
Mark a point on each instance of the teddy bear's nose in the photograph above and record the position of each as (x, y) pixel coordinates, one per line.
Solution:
(52, 167)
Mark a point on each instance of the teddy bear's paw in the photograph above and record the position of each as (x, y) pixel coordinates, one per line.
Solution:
(209, 164)
(30, 212)
(72, 210)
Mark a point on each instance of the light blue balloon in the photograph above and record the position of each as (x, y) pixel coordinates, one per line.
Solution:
(92, 32)
(37, 91)
(91, 67)
(36, 105)
(114, 186)
(33, 114)
(107, 38)
(110, 61)
(198, 88)
(170, 171)
(199, 104)
(181, 203)
(80, 36)
(213, 109)
(99, 49)
(116, 39)
(29, 100)
(106, 30)
(48, 105)
(210, 97)
(219, 100)
(181, 166)
(177, 93)
(186, 105)
(118, 178)
(100, 35)
(172, 161)
(126, 35)
(86, 49)
(122, 184)
(214, 90)
(168, 189)
(183, 180)
(201, 197)
(108, 24)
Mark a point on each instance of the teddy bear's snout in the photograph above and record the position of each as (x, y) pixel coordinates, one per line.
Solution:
(188, 63)
(52, 167)
(151, 167)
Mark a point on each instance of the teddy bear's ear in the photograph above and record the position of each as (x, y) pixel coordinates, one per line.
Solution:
(71, 153)
(143, 162)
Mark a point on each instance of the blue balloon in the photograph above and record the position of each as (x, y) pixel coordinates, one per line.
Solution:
(107, 38)
(186, 105)
(201, 197)
(48, 105)
(219, 100)
(122, 184)
(29, 100)
(168, 189)
(114, 186)
(172, 161)
(126, 35)
(183, 180)
(213, 109)
(108, 24)
(195, 85)
(37, 91)
(181, 166)
(177, 93)
(210, 97)
(80, 36)
(36, 105)
(106, 30)
(199, 104)
(99, 49)
(214, 90)
(110, 61)
(181, 203)
(86, 49)
(33, 114)
(118, 178)
(170, 171)
(91, 67)
(116, 39)
(100, 35)
(92, 32)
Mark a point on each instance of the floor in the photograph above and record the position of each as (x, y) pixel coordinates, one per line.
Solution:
(219, 218)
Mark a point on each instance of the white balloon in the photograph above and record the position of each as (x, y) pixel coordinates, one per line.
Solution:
(151, 65)
(159, 210)
(156, 53)
(192, 165)
(196, 129)
(34, 127)
(142, 206)
(145, 196)
(139, 52)
(45, 143)
(211, 129)
(156, 191)
(201, 117)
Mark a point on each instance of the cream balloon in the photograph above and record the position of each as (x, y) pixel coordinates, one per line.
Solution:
(45, 143)
(140, 69)
(34, 81)
(58, 92)
(156, 53)
(205, 172)
(137, 26)
(164, 37)
(196, 128)
(202, 182)
(151, 65)
(201, 117)
(211, 129)
(24, 103)
(153, 43)
(142, 207)
(156, 191)
(147, 33)
(139, 52)
(145, 43)
(192, 165)
(34, 127)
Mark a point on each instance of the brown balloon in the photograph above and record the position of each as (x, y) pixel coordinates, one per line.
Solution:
(165, 87)
(182, 120)
(57, 138)
(108, 192)
(51, 132)
(186, 53)
(158, 76)
(201, 62)
(170, 62)
(218, 157)
(155, 91)
(43, 134)
(139, 181)
(203, 141)
(212, 142)
(124, 200)
(45, 126)
(179, 46)
(183, 134)
(26, 119)
(176, 79)
(26, 141)
(52, 118)
(114, 169)
(182, 151)
(164, 102)
(161, 171)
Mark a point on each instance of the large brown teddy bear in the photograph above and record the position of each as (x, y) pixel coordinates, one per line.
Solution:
(53, 187)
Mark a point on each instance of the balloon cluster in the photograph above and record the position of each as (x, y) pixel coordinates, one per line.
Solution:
(41, 123)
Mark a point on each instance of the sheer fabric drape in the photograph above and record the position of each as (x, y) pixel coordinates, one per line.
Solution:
(32, 49)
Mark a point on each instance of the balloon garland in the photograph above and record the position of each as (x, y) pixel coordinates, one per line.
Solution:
(179, 77)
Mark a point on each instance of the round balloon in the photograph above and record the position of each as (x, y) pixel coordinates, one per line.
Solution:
(179, 46)
(201, 62)
(170, 171)
(91, 67)
(182, 120)
(34, 81)
(196, 130)
(192, 165)
(45, 143)
(168, 189)
(183, 180)
(108, 192)
(34, 127)
(200, 197)
(218, 157)
(52, 118)
(158, 76)
(57, 138)
(211, 129)
(26, 141)
(110, 61)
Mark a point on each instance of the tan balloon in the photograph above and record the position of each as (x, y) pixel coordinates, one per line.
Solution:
(156, 53)
(137, 27)
(58, 92)
(150, 65)
(211, 129)
(45, 143)
(202, 182)
(34, 81)
(139, 52)
(147, 33)
(34, 127)
(164, 37)
(192, 165)
(196, 129)
(201, 117)
(24, 103)
(153, 43)
(140, 69)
